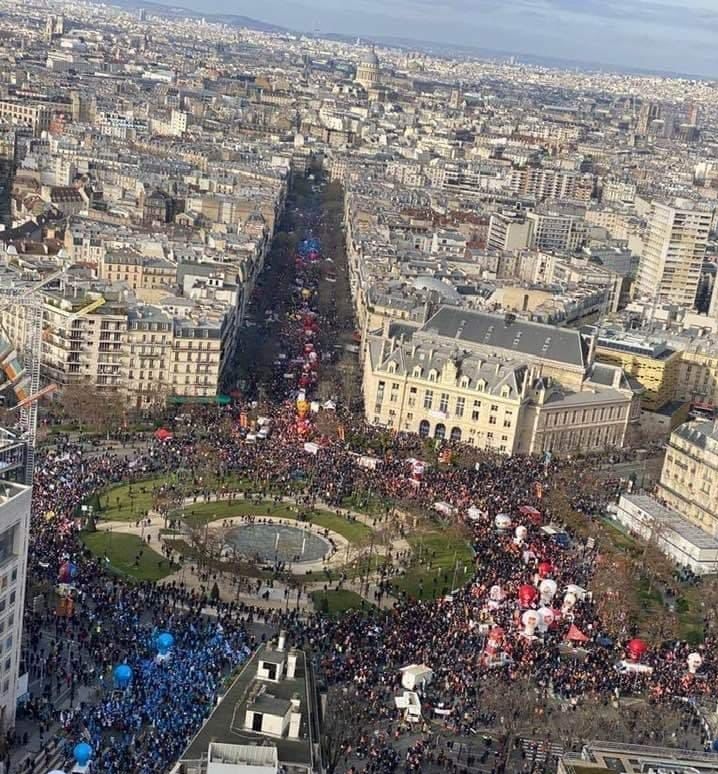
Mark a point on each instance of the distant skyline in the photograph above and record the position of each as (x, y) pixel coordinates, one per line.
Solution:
(661, 35)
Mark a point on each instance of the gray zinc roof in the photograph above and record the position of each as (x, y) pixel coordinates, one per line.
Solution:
(561, 345)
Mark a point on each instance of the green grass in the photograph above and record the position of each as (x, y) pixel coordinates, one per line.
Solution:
(131, 501)
(336, 603)
(198, 514)
(446, 551)
(121, 550)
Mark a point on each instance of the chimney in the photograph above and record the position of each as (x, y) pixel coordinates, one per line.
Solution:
(282, 642)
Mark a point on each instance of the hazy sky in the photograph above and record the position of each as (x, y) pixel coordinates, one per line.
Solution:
(672, 35)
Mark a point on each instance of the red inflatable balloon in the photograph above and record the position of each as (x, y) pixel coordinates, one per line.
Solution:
(527, 595)
(545, 569)
(636, 649)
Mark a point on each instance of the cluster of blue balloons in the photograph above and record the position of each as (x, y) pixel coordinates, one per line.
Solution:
(122, 673)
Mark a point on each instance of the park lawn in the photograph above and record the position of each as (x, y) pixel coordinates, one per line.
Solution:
(451, 550)
(121, 549)
(130, 501)
(339, 601)
(197, 514)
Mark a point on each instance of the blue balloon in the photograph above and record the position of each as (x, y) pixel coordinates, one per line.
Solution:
(164, 642)
(82, 753)
(123, 675)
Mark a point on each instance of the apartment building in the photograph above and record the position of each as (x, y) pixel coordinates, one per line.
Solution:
(143, 352)
(689, 479)
(22, 113)
(557, 229)
(151, 278)
(652, 363)
(168, 357)
(509, 231)
(673, 252)
(15, 501)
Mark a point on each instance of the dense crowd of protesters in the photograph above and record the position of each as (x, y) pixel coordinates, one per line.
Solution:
(143, 727)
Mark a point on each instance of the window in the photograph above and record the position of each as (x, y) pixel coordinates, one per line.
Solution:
(7, 544)
(477, 410)
(455, 434)
(444, 402)
(424, 428)
(380, 392)
(411, 402)
(492, 419)
(460, 406)
(428, 399)
(432, 375)
(494, 407)
(394, 394)
(440, 432)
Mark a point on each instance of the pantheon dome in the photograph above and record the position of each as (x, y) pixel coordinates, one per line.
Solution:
(368, 70)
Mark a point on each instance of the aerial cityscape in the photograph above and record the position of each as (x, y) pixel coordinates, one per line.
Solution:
(358, 388)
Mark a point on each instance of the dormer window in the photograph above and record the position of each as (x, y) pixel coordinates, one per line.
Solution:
(481, 385)
(417, 372)
(505, 391)
(391, 368)
(464, 382)
(433, 375)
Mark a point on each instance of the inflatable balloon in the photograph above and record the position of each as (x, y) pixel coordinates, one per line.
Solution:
(56, 771)
(577, 590)
(502, 521)
(636, 649)
(67, 572)
(546, 618)
(545, 569)
(520, 534)
(82, 753)
(547, 590)
(497, 593)
(694, 662)
(530, 619)
(569, 602)
(493, 643)
(123, 675)
(527, 595)
(164, 642)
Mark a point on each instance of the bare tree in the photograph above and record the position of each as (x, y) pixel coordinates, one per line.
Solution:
(343, 719)
(517, 704)
(90, 407)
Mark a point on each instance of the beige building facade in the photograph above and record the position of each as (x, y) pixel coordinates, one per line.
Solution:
(456, 378)
(689, 479)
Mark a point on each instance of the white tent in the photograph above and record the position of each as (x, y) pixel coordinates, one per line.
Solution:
(415, 675)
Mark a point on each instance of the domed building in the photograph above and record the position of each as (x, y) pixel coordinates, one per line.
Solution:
(368, 70)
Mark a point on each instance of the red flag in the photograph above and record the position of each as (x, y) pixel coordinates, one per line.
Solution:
(576, 635)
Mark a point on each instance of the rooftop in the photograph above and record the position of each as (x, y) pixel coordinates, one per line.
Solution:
(561, 345)
(226, 724)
